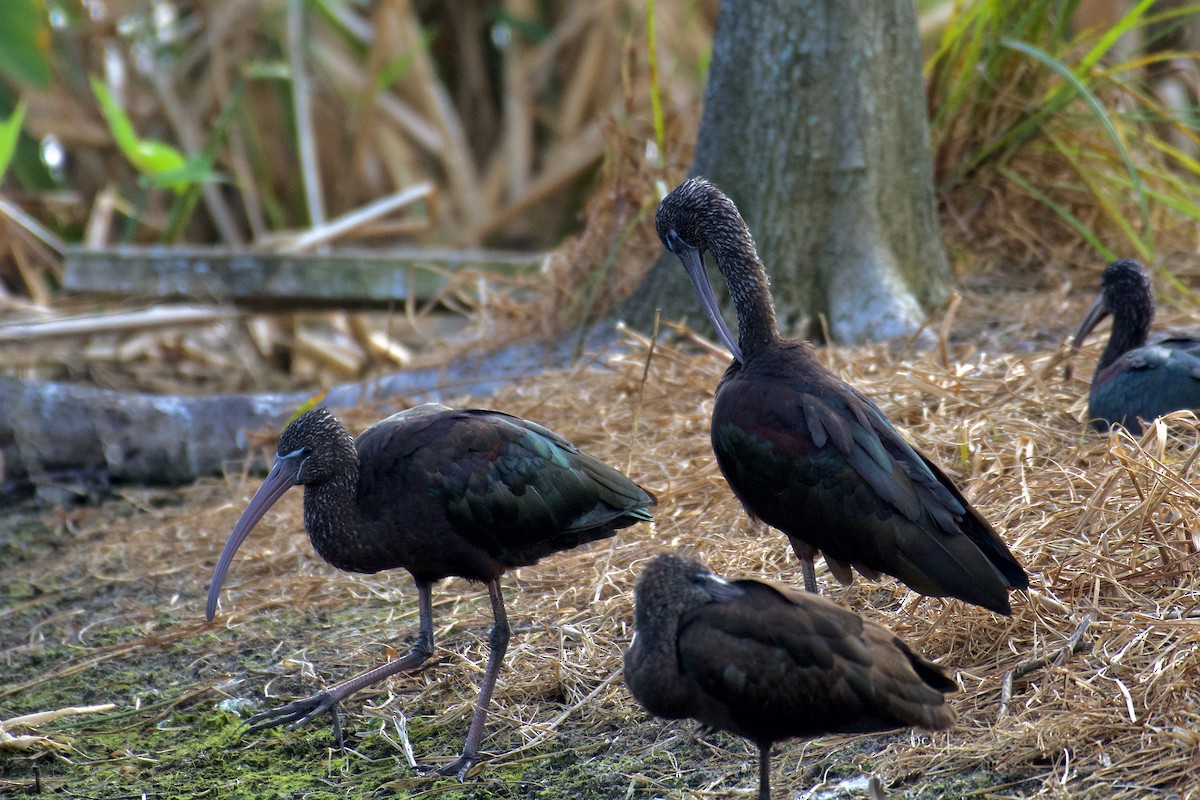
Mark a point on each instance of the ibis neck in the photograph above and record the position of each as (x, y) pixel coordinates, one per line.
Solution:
(657, 664)
(335, 522)
(1130, 330)
(657, 629)
(750, 292)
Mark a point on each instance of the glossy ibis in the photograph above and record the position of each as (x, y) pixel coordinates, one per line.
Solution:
(769, 664)
(1134, 380)
(808, 454)
(440, 492)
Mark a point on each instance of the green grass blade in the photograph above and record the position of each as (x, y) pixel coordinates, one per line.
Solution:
(660, 135)
(10, 134)
(1177, 195)
(1123, 26)
(1102, 195)
(151, 157)
(1102, 116)
(1072, 220)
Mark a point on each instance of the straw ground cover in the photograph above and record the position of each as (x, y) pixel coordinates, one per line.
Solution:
(1090, 690)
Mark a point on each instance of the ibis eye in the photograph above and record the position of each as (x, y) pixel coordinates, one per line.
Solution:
(305, 454)
(675, 242)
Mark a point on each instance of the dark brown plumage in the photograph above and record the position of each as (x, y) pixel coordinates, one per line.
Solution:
(440, 492)
(808, 454)
(770, 664)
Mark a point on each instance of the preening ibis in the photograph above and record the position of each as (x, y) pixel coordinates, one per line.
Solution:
(808, 454)
(769, 664)
(1134, 380)
(439, 492)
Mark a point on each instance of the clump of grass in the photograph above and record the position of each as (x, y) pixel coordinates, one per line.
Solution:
(1051, 131)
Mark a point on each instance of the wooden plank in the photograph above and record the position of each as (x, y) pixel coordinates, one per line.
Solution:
(264, 281)
(120, 322)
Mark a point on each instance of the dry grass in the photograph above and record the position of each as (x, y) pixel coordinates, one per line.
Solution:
(506, 113)
(1106, 526)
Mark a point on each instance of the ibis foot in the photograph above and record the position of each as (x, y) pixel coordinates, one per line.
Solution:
(460, 767)
(299, 713)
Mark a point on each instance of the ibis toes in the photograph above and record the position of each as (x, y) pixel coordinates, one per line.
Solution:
(459, 767)
(297, 713)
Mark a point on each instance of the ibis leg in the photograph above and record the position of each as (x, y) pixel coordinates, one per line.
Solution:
(764, 769)
(810, 575)
(497, 644)
(302, 711)
(806, 553)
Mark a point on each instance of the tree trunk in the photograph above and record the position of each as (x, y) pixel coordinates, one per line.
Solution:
(814, 123)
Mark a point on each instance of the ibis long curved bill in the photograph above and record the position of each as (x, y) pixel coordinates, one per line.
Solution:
(693, 264)
(1097, 312)
(281, 478)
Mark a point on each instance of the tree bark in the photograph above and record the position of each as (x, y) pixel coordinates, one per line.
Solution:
(814, 123)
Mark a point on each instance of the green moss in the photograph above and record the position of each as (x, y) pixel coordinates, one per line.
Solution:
(975, 784)
(194, 751)
(28, 538)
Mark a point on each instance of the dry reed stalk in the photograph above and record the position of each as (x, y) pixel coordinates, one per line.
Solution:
(220, 31)
(517, 101)
(326, 232)
(306, 144)
(458, 162)
(584, 87)
(397, 119)
(563, 163)
(342, 68)
(31, 278)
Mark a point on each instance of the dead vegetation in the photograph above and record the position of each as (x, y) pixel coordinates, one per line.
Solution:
(502, 125)
(1090, 690)
(330, 124)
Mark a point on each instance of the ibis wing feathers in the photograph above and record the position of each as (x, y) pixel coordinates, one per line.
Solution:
(1147, 382)
(612, 488)
(782, 664)
(531, 485)
(811, 456)
(809, 419)
(984, 535)
(511, 486)
(937, 495)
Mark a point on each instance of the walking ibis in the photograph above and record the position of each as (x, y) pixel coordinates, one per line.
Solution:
(769, 664)
(440, 492)
(1136, 381)
(808, 454)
